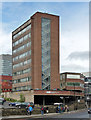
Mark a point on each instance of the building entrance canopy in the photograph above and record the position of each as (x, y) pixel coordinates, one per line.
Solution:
(52, 92)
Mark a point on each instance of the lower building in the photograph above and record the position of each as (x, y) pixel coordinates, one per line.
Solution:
(72, 82)
(6, 83)
(71, 88)
(5, 73)
(46, 97)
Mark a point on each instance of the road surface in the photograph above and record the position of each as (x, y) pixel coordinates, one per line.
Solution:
(78, 115)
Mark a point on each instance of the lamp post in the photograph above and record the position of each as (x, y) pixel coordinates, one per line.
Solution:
(88, 96)
(74, 95)
(90, 93)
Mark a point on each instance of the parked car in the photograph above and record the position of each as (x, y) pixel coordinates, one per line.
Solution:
(2, 100)
(89, 110)
(14, 103)
(17, 103)
(25, 105)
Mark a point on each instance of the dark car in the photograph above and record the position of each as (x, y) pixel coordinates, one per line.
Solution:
(89, 110)
(25, 105)
(12, 104)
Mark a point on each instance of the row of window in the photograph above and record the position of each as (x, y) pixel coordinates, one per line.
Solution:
(7, 81)
(22, 72)
(70, 76)
(6, 89)
(75, 84)
(22, 55)
(5, 63)
(22, 88)
(22, 47)
(22, 31)
(22, 63)
(22, 39)
(3, 73)
(26, 79)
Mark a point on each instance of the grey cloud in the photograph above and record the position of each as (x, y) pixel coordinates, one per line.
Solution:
(79, 55)
(73, 68)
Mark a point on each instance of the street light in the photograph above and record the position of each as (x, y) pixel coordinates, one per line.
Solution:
(74, 95)
(89, 99)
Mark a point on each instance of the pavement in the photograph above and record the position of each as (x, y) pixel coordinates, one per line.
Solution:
(37, 115)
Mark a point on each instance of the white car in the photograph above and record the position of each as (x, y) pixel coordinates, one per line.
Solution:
(17, 103)
(89, 110)
(2, 100)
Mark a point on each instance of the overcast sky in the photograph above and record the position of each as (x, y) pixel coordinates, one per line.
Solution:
(74, 29)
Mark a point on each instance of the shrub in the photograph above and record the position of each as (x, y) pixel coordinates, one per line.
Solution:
(22, 98)
(11, 99)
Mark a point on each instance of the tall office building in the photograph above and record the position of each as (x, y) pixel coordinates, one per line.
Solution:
(6, 72)
(35, 46)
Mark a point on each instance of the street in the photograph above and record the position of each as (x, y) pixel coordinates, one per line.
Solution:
(82, 114)
(78, 115)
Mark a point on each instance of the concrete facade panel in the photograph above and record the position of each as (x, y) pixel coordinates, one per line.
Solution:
(21, 76)
(22, 84)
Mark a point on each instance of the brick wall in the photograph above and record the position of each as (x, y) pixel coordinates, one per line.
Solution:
(29, 97)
